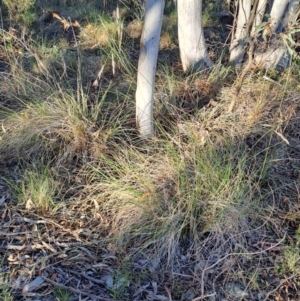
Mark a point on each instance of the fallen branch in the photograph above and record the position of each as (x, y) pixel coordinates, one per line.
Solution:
(76, 291)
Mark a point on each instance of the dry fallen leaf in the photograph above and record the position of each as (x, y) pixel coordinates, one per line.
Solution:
(3, 199)
(33, 285)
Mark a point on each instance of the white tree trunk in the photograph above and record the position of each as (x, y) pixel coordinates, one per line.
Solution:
(147, 66)
(277, 13)
(239, 43)
(292, 13)
(261, 8)
(193, 50)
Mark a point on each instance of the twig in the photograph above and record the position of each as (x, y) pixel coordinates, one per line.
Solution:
(169, 293)
(12, 233)
(272, 80)
(98, 281)
(205, 296)
(282, 137)
(76, 291)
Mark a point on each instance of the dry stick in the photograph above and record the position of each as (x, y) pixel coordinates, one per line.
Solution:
(98, 281)
(206, 296)
(250, 57)
(272, 81)
(169, 293)
(76, 291)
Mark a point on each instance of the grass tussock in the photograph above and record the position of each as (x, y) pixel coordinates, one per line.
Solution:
(37, 191)
(183, 190)
(210, 205)
(60, 121)
(99, 33)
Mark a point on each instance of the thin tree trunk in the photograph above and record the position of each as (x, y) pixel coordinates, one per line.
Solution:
(147, 66)
(239, 43)
(193, 50)
(261, 8)
(292, 13)
(277, 13)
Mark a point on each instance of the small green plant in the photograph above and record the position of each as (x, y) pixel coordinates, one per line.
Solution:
(5, 294)
(208, 18)
(62, 295)
(292, 259)
(289, 262)
(254, 280)
(37, 189)
(121, 282)
(20, 10)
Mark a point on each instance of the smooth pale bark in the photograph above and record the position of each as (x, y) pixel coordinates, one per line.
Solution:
(147, 66)
(291, 15)
(277, 14)
(276, 56)
(239, 43)
(193, 50)
(261, 8)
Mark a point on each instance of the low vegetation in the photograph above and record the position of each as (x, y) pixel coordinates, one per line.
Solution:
(208, 209)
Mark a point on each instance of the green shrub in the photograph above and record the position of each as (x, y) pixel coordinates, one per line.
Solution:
(19, 9)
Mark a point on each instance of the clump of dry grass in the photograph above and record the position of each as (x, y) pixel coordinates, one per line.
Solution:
(202, 179)
(100, 34)
(46, 109)
(134, 29)
(168, 38)
(60, 121)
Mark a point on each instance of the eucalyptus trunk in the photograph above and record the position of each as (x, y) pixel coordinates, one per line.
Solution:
(147, 66)
(193, 50)
(261, 8)
(239, 41)
(277, 15)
